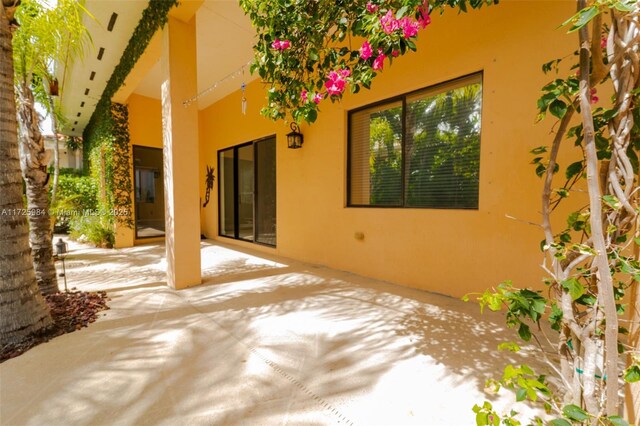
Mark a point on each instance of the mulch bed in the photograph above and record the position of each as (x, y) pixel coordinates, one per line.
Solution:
(70, 312)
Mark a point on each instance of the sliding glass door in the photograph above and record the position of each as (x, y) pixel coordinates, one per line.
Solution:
(246, 177)
(247, 192)
(265, 195)
(226, 195)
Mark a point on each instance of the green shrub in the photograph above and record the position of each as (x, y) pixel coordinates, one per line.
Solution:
(94, 229)
(76, 197)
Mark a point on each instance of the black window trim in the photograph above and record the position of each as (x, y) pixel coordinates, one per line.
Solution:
(403, 98)
(234, 148)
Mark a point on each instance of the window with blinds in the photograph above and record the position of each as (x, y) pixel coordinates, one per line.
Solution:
(418, 150)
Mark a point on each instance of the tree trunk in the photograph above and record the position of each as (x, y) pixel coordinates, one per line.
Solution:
(632, 390)
(34, 163)
(606, 299)
(56, 152)
(22, 308)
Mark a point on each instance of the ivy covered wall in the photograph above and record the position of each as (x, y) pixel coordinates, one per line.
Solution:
(106, 137)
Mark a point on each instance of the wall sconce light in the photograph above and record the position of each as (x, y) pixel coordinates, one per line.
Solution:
(295, 139)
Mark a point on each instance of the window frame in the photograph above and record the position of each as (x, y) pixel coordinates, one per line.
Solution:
(403, 99)
(235, 149)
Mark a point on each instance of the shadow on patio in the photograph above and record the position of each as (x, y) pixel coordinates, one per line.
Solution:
(265, 341)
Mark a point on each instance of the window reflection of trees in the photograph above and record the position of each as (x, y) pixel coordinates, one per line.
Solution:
(385, 144)
(442, 150)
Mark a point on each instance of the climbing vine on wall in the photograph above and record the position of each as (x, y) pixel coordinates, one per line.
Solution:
(110, 164)
(106, 137)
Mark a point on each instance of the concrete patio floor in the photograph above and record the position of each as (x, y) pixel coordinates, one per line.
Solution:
(266, 340)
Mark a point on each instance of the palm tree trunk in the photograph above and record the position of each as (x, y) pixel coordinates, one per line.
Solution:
(22, 308)
(56, 152)
(34, 162)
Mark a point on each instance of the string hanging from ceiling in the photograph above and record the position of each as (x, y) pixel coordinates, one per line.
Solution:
(233, 75)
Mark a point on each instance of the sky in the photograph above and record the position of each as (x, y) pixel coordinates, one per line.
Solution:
(45, 124)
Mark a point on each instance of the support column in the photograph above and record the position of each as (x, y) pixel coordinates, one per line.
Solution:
(180, 136)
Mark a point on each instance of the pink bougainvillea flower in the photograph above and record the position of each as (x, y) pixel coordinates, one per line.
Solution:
(603, 43)
(372, 8)
(389, 23)
(317, 98)
(344, 73)
(594, 98)
(365, 51)
(335, 87)
(378, 63)
(281, 44)
(395, 53)
(424, 19)
(304, 95)
(333, 76)
(409, 26)
(336, 83)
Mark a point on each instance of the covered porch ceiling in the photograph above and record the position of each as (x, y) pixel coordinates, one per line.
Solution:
(224, 46)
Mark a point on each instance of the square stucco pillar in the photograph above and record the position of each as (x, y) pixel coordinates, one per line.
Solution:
(180, 137)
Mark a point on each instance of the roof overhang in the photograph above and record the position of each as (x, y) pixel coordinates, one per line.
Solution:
(84, 80)
(224, 47)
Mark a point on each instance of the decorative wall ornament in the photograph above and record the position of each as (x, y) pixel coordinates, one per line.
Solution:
(209, 183)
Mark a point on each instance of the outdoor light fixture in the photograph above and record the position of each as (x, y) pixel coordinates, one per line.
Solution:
(294, 139)
(61, 251)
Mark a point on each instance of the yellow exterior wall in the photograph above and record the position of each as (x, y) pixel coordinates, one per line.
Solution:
(145, 129)
(145, 121)
(446, 251)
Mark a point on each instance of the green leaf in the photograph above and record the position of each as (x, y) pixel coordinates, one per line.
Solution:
(558, 108)
(521, 394)
(582, 18)
(539, 150)
(560, 422)
(625, 6)
(573, 412)
(612, 201)
(632, 374)
(401, 12)
(573, 286)
(524, 332)
(508, 346)
(617, 421)
(556, 317)
(573, 169)
(311, 116)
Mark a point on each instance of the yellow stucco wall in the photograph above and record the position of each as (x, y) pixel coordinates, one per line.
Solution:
(145, 129)
(447, 251)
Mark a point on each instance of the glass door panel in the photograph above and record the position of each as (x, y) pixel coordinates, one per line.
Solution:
(245, 192)
(226, 193)
(266, 192)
